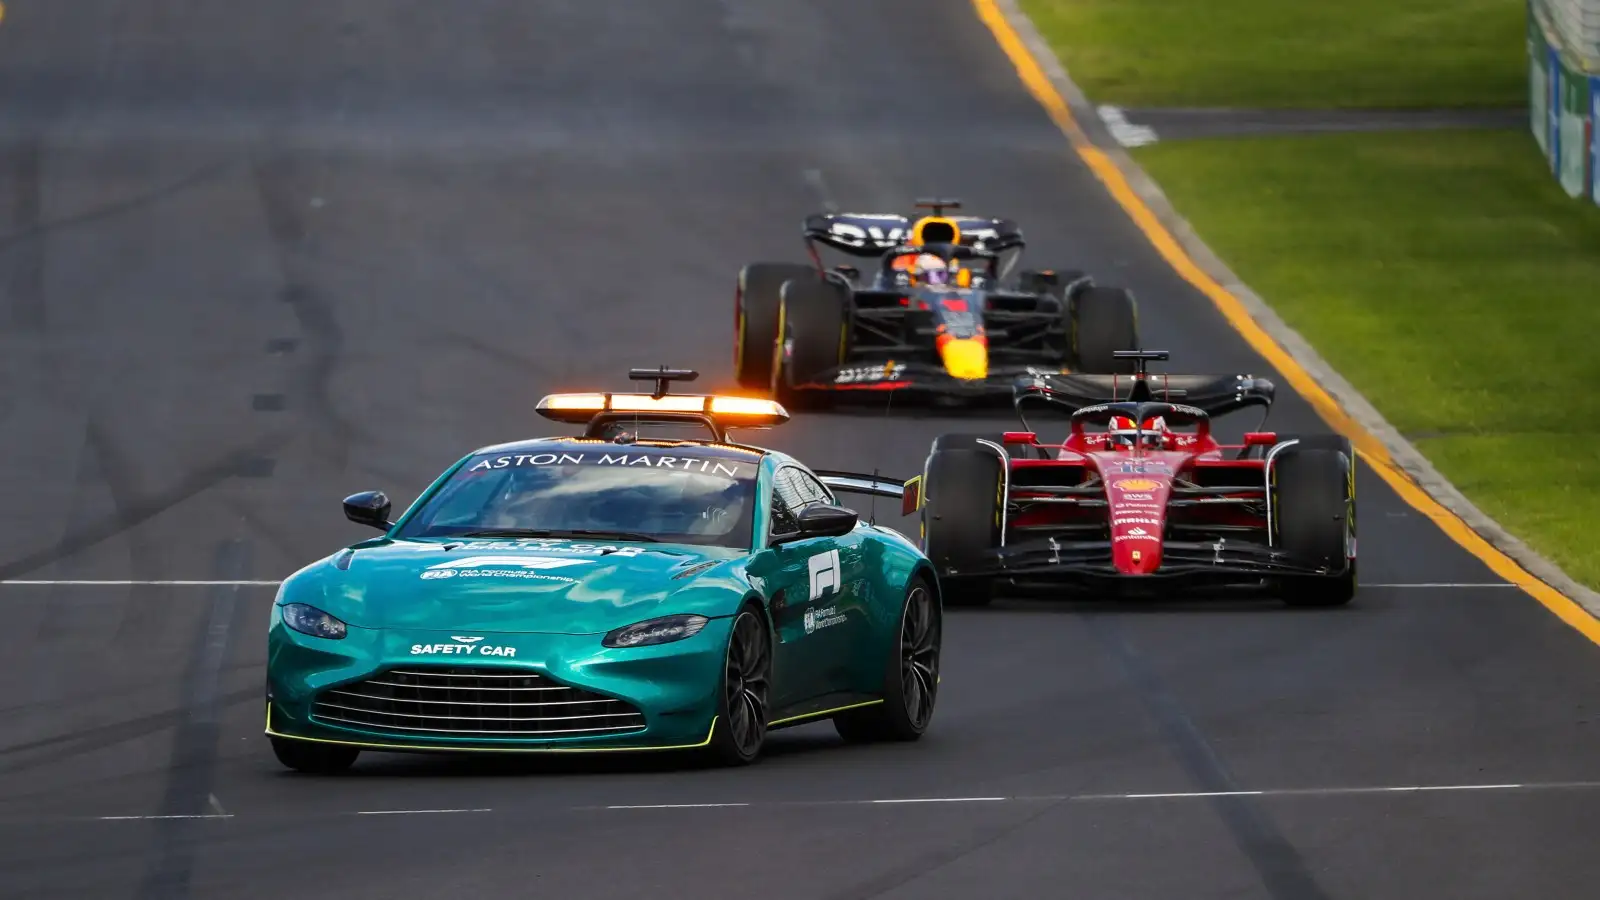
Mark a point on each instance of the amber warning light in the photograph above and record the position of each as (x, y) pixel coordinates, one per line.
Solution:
(732, 411)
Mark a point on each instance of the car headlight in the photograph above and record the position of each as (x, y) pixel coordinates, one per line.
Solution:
(310, 620)
(656, 631)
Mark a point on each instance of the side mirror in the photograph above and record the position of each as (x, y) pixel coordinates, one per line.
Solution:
(821, 521)
(1260, 438)
(827, 521)
(370, 508)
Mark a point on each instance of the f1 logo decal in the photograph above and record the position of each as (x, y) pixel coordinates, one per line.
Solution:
(824, 573)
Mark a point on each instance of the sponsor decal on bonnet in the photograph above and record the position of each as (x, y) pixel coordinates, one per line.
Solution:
(501, 567)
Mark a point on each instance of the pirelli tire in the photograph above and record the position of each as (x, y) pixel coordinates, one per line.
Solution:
(813, 315)
(961, 515)
(1104, 320)
(755, 324)
(1314, 509)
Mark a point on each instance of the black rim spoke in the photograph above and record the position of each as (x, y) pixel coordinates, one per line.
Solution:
(747, 682)
(919, 657)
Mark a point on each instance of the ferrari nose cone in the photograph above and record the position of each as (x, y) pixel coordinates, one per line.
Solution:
(965, 358)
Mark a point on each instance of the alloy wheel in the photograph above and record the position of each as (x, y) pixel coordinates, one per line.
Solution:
(919, 657)
(747, 683)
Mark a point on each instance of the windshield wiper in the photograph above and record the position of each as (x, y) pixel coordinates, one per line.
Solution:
(561, 533)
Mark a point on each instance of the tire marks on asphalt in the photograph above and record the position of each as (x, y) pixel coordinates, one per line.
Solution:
(190, 778)
(1279, 865)
(320, 331)
(22, 264)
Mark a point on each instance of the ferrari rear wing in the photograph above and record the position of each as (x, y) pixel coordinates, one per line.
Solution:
(908, 492)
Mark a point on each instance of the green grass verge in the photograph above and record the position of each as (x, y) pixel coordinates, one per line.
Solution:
(1290, 53)
(1447, 277)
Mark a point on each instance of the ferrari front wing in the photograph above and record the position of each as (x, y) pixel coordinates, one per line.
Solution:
(1088, 564)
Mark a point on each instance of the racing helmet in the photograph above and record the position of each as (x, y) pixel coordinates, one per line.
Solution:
(930, 269)
(1153, 434)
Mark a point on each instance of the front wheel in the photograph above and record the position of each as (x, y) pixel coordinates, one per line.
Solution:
(911, 678)
(1315, 506)
(745, 694)
(755, 324)
(961, 517)
(813, 320)
(1106, 320)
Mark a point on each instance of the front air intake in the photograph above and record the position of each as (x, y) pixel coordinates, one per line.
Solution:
(467, 701)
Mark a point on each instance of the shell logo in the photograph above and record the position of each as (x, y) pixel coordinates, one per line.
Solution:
(1137, 484)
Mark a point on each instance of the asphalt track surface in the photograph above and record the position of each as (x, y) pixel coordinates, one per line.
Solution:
(258, 256)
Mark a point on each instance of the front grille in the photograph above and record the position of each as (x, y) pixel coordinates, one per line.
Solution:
(467, 701)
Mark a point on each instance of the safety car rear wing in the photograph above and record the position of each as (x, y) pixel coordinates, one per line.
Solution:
(908, 491)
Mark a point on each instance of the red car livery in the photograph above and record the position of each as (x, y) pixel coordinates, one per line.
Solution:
(1139, 498)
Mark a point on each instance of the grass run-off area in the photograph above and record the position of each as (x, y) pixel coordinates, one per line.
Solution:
(1288, 53)
(1444, 273)
(1446, 276)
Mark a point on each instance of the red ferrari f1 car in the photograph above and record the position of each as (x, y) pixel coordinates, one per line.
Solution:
(1140, 499)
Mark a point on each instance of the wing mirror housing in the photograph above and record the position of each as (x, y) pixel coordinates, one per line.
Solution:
(822, 521)
(1019, 437)
(1260, 438)
(369, 508)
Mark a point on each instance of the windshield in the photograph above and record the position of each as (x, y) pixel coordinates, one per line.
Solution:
(648, 495)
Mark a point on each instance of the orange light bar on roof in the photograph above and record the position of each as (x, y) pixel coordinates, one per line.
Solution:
(729, 411)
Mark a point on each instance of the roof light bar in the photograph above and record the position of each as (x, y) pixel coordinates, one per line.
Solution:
(746, 412)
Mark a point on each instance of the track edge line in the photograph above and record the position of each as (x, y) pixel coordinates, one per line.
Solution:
(1395, 460)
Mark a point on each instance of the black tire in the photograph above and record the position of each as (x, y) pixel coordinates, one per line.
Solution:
(314, 758)
(812, 316)
(970, 442)
(1314, 503)
(961, 520)
(745, 693)
(1105, 320)
(911, 675)
(755, 320)
(1338, 443)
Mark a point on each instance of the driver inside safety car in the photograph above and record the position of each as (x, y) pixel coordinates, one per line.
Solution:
(1153, 434)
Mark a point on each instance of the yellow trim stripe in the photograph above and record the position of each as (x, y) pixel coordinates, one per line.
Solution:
(824, 712)
(369, 745)
(1367, 445)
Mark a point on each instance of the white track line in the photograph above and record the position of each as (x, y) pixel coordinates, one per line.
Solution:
(152, 818)
(415, 812)
(944, 800)
(1309, 793)
(679, 806)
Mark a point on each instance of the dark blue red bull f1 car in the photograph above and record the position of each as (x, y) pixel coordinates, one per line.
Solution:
(939, 312)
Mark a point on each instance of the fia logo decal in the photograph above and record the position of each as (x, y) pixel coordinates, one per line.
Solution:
(824, 573)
